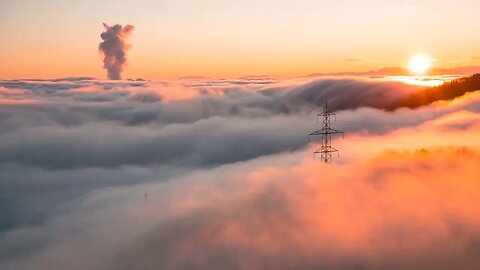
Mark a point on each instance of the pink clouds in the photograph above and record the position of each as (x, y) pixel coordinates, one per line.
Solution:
(15, 97)
(414, 210)
(408, 199)
(229, 177)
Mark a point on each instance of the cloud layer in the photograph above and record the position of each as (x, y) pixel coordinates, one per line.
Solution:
(230, 183)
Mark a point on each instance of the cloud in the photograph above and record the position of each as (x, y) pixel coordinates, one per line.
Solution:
(205, 143)
(389, 215)
(230, 181)
(388, 210)
(348, 94)
(215, 125)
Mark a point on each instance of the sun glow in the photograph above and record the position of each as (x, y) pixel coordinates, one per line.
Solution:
(419, 64)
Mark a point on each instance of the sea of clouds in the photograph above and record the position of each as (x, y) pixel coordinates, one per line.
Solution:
(201, 173)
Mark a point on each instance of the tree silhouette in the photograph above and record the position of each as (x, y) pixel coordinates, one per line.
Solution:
(446, 91)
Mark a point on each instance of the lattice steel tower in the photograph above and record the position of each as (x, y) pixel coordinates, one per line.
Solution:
(326, 133)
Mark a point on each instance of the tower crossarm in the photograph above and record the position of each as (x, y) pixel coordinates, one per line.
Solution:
(326, 132)
(326, 150)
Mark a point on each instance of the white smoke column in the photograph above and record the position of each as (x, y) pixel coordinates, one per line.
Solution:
(114, 47)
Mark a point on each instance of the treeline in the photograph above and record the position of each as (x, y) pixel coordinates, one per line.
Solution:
(446, 91)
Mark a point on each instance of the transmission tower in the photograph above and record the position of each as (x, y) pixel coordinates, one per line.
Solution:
(326, 133)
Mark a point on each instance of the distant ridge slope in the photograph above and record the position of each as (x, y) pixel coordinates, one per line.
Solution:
(446, 91)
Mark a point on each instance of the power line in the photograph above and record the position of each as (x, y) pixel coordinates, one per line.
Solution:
(326, 133)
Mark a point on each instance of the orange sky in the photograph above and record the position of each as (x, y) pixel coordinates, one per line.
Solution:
(221, 38)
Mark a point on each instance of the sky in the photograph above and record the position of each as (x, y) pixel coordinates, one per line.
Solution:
(219, 38)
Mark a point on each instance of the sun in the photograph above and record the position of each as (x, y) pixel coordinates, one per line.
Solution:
(419, 64)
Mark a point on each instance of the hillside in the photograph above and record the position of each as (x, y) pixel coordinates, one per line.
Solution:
(446, 91)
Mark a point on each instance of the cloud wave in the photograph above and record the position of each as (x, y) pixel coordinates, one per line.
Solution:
(226, 165)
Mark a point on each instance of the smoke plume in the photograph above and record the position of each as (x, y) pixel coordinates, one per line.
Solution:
(114, 47)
